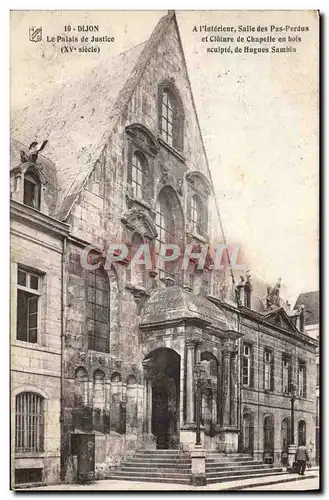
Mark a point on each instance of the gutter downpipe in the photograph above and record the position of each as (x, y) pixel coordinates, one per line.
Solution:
(63, 293)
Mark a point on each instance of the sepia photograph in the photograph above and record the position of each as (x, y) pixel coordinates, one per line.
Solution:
(164, 250)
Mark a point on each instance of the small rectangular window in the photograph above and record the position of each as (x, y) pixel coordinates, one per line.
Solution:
(25, 476)
(27, 306)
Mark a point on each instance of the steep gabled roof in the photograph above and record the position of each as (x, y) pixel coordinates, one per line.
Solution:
(311, 301)
(78, 116)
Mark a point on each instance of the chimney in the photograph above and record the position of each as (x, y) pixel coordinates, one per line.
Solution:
(302, 318)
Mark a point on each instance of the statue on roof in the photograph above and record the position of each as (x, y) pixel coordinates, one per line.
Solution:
(273, 295)
(34, 149)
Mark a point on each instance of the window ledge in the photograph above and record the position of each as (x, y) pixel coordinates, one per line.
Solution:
(30, 454)
(36, 346)
(139, 201)
(199, 237)
(172, 150)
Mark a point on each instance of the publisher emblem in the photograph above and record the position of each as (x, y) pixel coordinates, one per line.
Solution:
(35, 33)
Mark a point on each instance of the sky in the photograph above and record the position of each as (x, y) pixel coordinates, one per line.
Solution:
(258, 116)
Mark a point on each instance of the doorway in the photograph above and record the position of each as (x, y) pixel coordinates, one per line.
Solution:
(163, 365)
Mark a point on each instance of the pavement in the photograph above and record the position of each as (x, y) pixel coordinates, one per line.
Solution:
(308, 484)
(280, 482)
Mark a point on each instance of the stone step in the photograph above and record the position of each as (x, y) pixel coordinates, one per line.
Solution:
(228, 459)
(161, 452)
(216, 452)
(242, 467)
(238, 478)
(157, 461)
(242, 473)
(234, 465)
(162, 466)
(164, 470)
(139, 479)
(154, 474)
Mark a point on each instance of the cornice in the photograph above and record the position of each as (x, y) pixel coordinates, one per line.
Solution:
(33, 217)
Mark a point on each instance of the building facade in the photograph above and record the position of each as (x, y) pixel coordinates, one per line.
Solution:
(129, 166)
(310, 303)
(37, 244)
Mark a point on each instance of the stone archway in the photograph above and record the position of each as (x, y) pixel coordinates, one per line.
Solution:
(161, 370)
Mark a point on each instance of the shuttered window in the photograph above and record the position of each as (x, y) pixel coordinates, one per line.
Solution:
(268, 370)
(29, 422)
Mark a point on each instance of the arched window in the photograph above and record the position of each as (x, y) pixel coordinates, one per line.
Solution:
(197, 214)
(138, 172)
(116, 377)
(246, 432)
(29, 422)
(98, 311)
(171, 115)
(301, 433)
(167, 117)
(99, 390)
(169, 225)
(285, 434)
(80, 388)
(32, 190)
(268, 434)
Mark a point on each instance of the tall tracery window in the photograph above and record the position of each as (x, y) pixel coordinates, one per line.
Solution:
(167, 109)
(197, 214)
(98, 310)
(169, 225)
(138, 171)
(32, 190)
(29, 419)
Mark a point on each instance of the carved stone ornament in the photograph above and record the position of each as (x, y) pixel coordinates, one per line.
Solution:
(143, 138)
(164, 175)
(137, 219)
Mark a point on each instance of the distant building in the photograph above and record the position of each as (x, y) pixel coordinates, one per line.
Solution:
(310, 302)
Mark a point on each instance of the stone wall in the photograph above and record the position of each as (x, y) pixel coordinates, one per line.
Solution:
(37, 367)
(96, 219)
(257, 401)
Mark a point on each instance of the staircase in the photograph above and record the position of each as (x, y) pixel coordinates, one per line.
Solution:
(173, 466)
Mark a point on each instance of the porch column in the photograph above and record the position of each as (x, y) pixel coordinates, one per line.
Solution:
(190, 347)
(229, 386)
(234, 390)
(149, 406)
(226, 399)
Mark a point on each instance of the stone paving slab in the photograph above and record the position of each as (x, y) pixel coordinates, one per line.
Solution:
(112, 485)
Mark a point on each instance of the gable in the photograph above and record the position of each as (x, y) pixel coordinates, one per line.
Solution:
(280, 319)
